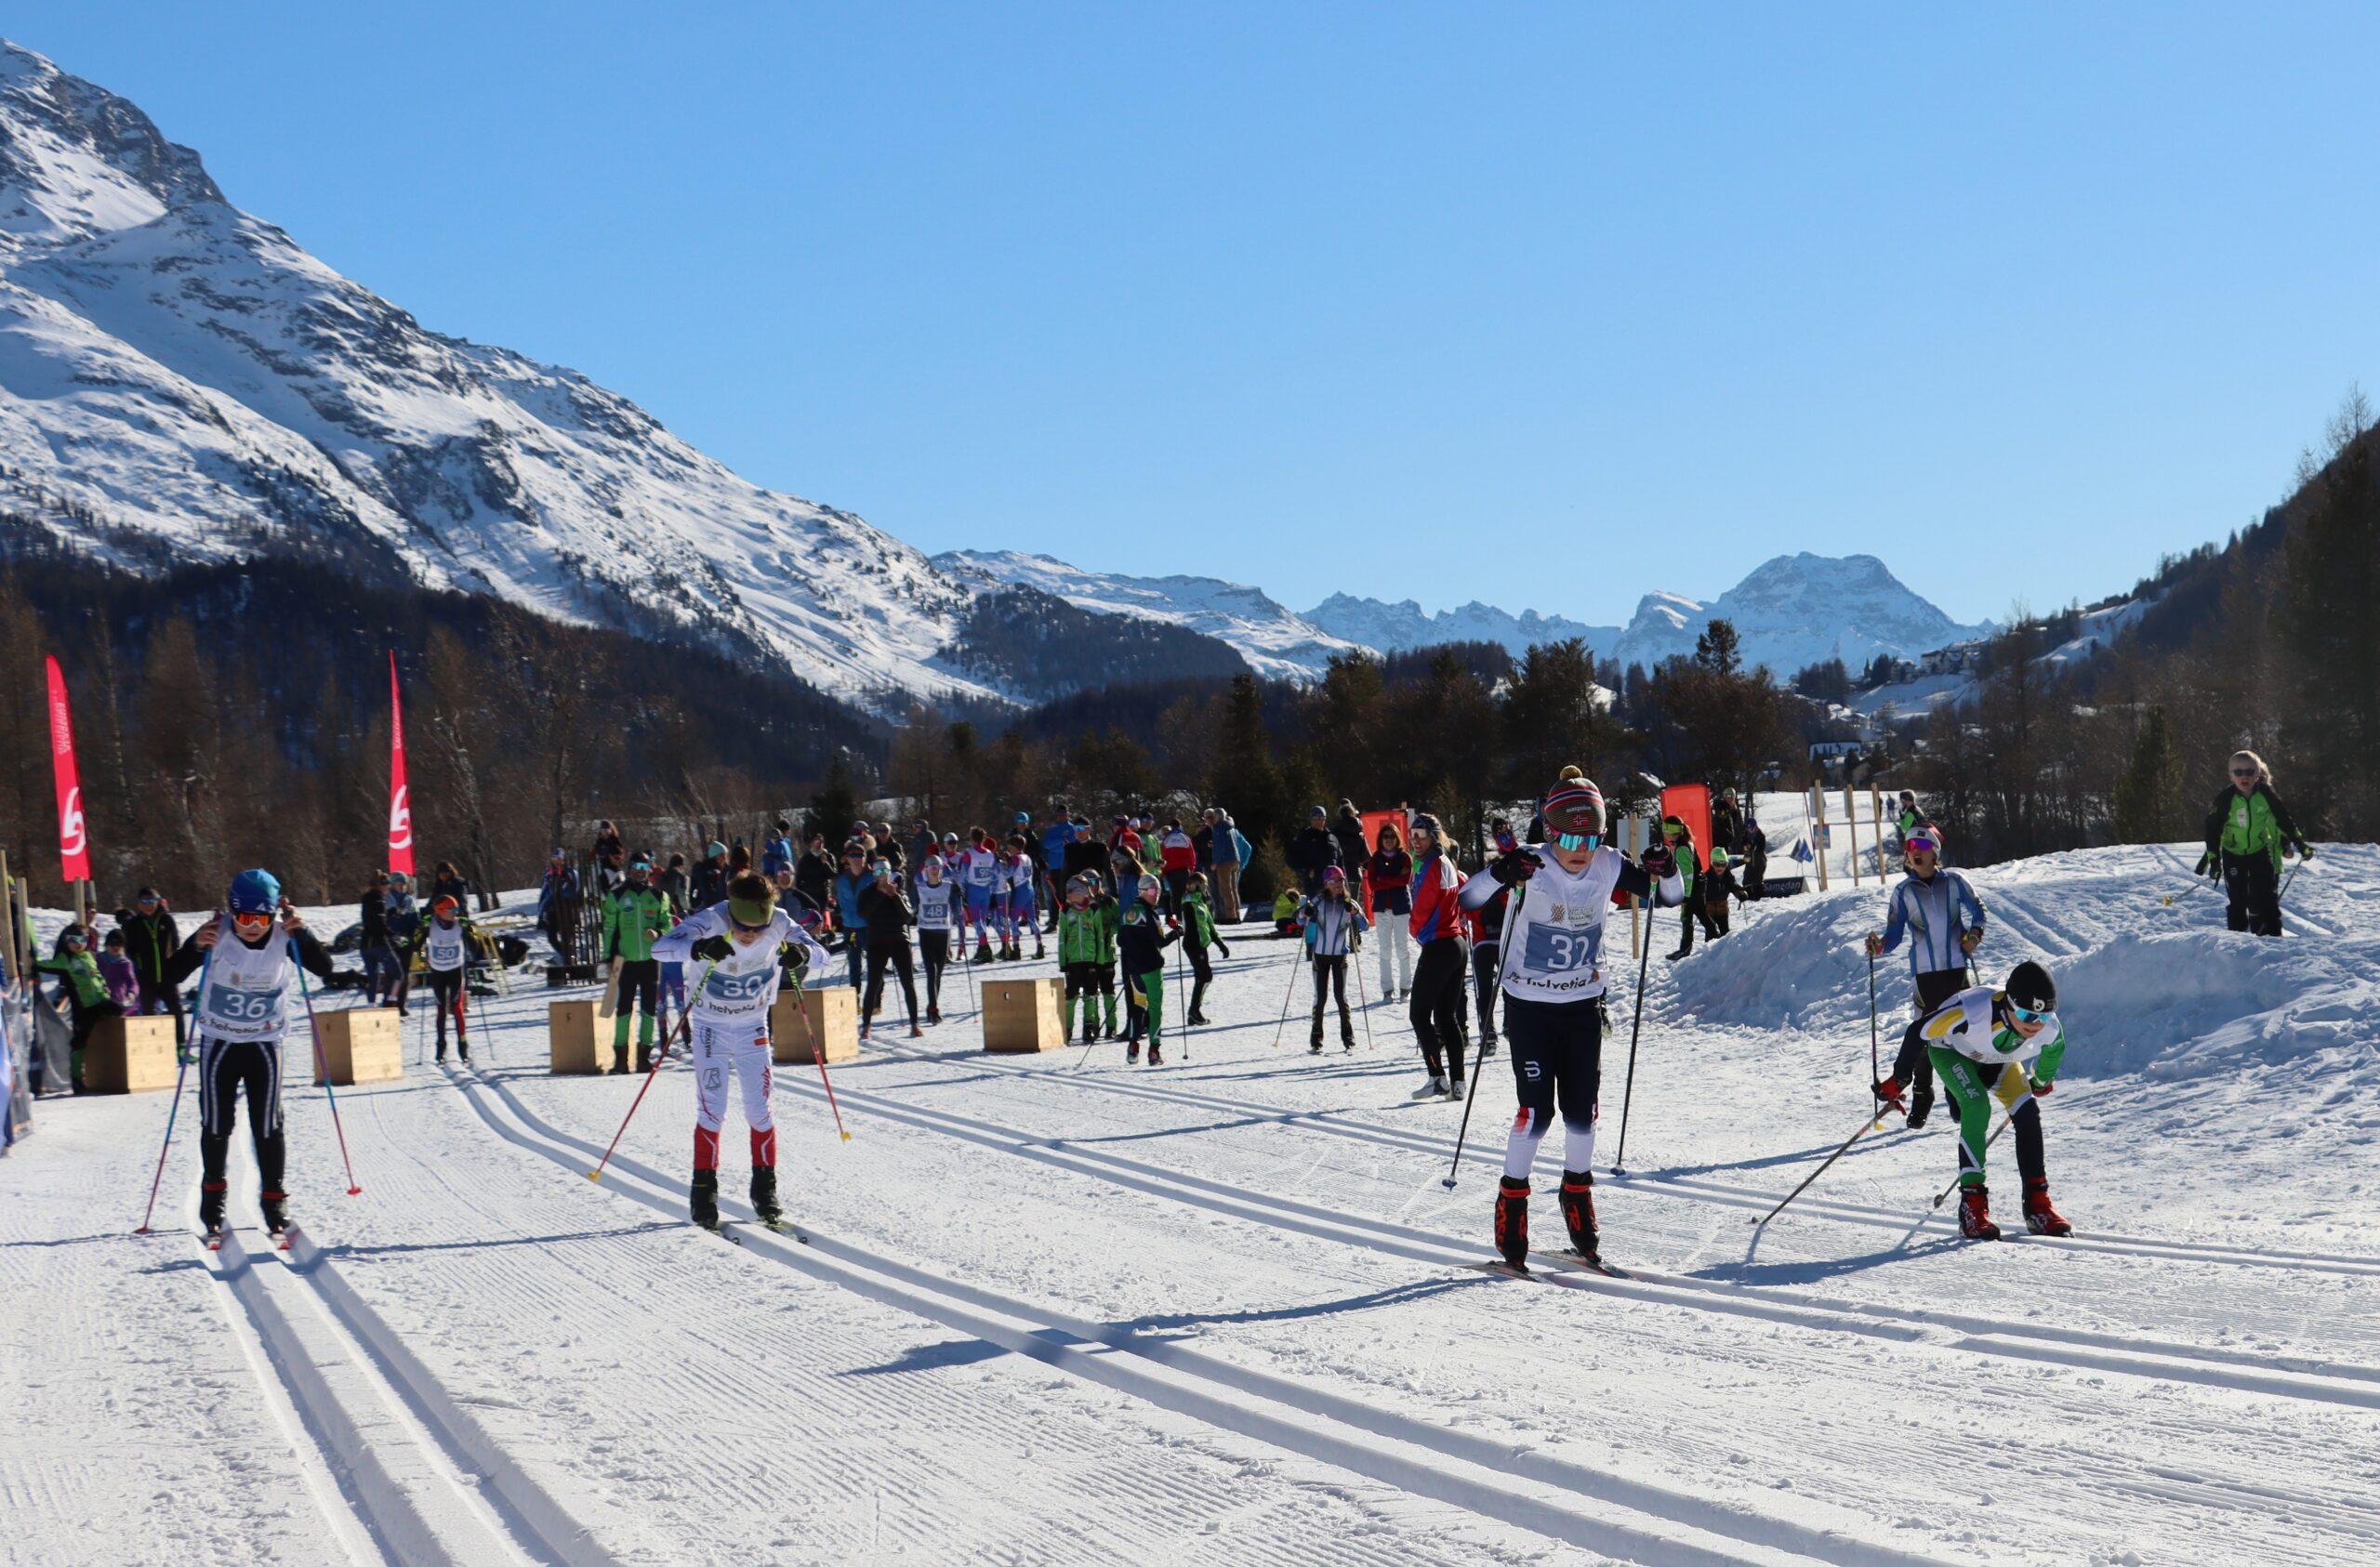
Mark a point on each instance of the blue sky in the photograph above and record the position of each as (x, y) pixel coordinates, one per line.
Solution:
(1546, 306)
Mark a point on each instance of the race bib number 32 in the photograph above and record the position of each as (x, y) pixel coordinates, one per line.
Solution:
(1551, 950)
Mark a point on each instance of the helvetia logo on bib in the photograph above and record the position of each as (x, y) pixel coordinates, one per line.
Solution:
(400, 819)
(71, 835)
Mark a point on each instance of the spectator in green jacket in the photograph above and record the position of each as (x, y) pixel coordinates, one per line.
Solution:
(2248, 832)
(634, 912)
(87, 991)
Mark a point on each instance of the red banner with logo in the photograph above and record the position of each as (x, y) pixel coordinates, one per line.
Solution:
(73, 838)
(1690, 803)
(400, 800)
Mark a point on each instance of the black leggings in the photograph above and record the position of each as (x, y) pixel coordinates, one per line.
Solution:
(1329, 973)
(933, 946)
(2252, 884)
(899, 958)
(446, 990)
(1487, 963)
(1202, 974)
(226, 1067)
(1911, 1065)
(1436, 1003)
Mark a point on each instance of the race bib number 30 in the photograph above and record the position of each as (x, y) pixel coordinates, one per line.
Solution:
(740, 992)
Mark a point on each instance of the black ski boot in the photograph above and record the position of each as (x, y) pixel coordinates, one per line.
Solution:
(1920, 1106)
(1157, 1053)
(1511, 1223)
(276, 1210)
(463, 1049)
(1579, 1211)
(764, 1194)
(619, 1059)
(1347, 1038)
(702, 1201)
(212, 1194)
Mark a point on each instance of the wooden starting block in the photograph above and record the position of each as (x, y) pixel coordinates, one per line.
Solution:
(362, 1045)
(1023, 1016)
(129, 1056)
(573, 1045)
(833, 1015)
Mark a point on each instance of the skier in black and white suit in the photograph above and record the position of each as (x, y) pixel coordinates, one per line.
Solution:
(243, 1012)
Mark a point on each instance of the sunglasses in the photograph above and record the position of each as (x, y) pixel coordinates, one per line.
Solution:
(2243, 773)
(1572, 842)
(149, 900)
(746, 929)
(2026, 1014)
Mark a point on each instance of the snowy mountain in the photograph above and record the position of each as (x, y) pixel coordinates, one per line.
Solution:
(1275, 643)
(1798, 610)
(180, 381)
(1395, 627)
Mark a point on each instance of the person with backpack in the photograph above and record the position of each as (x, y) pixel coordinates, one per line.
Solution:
(2006, 1044)
(444, 941)
(741, 944)
(1938, 910)
(1335, 933)
(1197, 935)
(633, 917)
(249, 952)
(1087, 952)
(2249, 831)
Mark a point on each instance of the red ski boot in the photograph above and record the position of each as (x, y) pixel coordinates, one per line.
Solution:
(2040, 1218)
(1975, 1215)
(1579, 1211)
(1511, 1223)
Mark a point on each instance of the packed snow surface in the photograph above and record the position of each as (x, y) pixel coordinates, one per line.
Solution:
(1056, 1309)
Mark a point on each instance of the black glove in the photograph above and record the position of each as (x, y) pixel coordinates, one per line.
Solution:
(2210, 864)
(1222, 949)
(1511, 869)
(711, 949)
(1659, 864)
(2305, 850)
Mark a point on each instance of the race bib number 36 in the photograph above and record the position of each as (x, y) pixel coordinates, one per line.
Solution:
(244, 1010)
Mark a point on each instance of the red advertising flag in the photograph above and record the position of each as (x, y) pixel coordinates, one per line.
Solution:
(400, 801)
(74, 839)
(1690, 803)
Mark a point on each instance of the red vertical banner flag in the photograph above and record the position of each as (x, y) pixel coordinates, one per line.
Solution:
(73, 836)
(400, 800)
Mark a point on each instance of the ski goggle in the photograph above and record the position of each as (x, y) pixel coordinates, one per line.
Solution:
(1669, 831)
(1919, 844)
(743, 930)
(74, 939)
(2027, 1014)
(245, 921)
(1572, 842)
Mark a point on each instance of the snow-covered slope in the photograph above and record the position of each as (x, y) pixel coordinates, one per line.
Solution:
(180, 381)
(1277, 643)
(1799, 610)
(1060, 1309)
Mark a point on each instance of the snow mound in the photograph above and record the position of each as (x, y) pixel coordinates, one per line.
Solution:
(2176, 1004)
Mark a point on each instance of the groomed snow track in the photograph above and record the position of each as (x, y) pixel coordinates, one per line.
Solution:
(1599, 1511)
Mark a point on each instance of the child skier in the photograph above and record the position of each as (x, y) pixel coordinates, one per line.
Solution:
(1022, 915)
(87, 989)
(1086, 951)
(1552, 981)
(1334, 933)
(1943, 919)
(241, 1019)
(445, 942)
(1141, 943)
(1197, 935)
(633, 914)
(1719, 884)
(739, 942)
(979, 869)
(1981, 1041)
(937, 920)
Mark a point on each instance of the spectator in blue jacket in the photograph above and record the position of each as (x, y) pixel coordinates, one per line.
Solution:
(854, 878)
(1229, 852)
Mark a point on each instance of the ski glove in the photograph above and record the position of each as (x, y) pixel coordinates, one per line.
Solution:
(2305, 850)
(1222, 949)
(1509, 869)
(2207, 865)
(2040, 1087)
(1659, 864)
(711, 949)
(1888, 1093)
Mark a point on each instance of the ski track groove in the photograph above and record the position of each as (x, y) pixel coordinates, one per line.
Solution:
(1219, 1392)
(2139, 1357)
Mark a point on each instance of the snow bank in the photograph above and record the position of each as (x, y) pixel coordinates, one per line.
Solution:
(2172, 1006)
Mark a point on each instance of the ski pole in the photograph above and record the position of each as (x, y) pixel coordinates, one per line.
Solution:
(323, 1066)
(1866, 1126)
(1182, 989)
(1875, 1057)
(1364, 994)
(685, 1026)
(1635, 1027)
(818, 1054)
(1462, 1133)
(1286, 996)
(181, 1070)
(1945, 1194)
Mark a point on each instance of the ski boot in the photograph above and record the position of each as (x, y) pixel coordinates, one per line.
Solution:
(442, 1051)
(1486, 1043)
(275, 1207)
(1347, 1039)
(1132, 1051)
(211, 1198)
(983, 953)
(1435, 1089)
(764, 1194)
(1110, 1033)
(2040, 1218)
(1314, 1042)
(463, 1049)
(915, 1032)
(1454, 1087)
(1511, 1223)
(1578, 1212)
(644, 1057)
(702, 1201)
(1673, 956)
(1013, 954)
(1975, 1215)
(1920, 1106)
(933, 1014)
(619, 1059)
(1156, 1054)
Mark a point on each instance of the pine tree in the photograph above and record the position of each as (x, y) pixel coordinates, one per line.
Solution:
(2148, 805)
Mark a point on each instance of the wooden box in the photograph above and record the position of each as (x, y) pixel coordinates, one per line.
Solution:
(833, 1017)
(1024, 1015)
(362, 1045)
(129, 1056)
(576, 1041)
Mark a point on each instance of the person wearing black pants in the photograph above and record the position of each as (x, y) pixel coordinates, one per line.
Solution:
(886, 933)
(150, 935)
(1439, 972)
(1334, 927)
